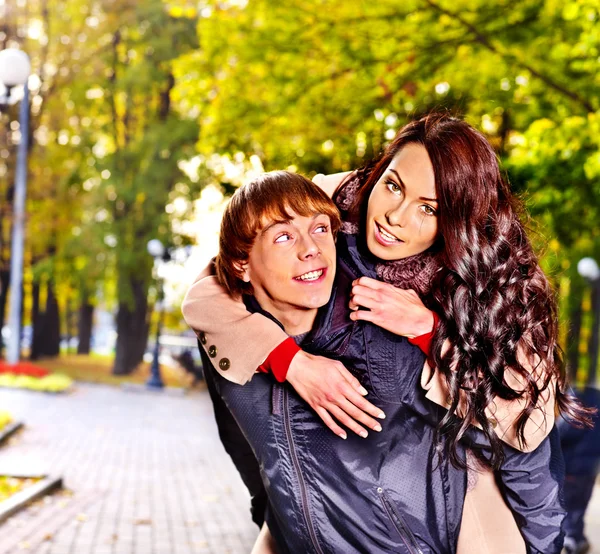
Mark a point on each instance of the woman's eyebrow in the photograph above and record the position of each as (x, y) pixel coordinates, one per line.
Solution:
(397, 176)
(404, 186)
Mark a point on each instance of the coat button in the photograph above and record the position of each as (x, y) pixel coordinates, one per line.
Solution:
(379, 490)
(224, 364)
(212, 351)
(202, 337)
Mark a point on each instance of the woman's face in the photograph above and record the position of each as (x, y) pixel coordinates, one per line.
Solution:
(402, 210)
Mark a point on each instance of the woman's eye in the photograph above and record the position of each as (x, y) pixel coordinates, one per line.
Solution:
(393, 187)
(284, 237)
(428, 210)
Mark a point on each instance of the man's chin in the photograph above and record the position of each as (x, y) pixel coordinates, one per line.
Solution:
(316, 301)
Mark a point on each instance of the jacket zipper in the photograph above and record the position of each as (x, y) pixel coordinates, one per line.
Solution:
(407, 535)
(305, 511)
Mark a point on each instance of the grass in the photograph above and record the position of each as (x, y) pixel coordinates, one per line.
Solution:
(94, 368)
(12, 485)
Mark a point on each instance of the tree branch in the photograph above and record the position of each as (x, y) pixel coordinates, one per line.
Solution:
(484, 41)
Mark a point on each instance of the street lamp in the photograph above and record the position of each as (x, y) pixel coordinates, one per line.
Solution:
(588, 269)
(157, 250)
(14, 71)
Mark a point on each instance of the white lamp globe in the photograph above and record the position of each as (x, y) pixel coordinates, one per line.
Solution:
(15, 67)
(155, 248)
(588, 268)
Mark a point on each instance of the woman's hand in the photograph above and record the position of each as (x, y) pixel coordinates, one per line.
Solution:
(399, 311)
(333, 392)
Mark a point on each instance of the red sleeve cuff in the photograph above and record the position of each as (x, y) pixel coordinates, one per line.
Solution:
(424, 341)
(279, 360)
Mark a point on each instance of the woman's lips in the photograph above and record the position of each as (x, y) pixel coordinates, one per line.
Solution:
(384, 237)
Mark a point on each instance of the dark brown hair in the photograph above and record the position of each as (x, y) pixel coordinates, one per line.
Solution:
(495, 304)
(268, 198)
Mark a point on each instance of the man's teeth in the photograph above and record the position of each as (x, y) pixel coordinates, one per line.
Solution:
(311, 275)
(386, 235)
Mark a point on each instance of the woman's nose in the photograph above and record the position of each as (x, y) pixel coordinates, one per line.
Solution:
(397, 216)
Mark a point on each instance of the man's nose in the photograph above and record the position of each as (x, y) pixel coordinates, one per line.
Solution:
(308, 248)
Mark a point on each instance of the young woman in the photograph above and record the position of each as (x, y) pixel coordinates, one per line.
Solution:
(434, 216)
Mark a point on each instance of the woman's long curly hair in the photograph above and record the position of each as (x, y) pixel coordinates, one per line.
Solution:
(490, 293)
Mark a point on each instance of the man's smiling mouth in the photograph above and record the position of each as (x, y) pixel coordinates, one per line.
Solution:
(310, 275)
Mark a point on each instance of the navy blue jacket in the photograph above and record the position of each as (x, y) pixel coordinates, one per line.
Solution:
(392, 492)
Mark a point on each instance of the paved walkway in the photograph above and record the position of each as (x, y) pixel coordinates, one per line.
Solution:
(145, 473)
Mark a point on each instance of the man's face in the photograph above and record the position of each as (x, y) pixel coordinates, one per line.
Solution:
(292, 266)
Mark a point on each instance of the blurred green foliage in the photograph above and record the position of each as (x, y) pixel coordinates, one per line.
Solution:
(321, 86)
(127, 91)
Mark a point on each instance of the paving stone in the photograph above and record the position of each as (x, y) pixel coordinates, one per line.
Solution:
(146, 473)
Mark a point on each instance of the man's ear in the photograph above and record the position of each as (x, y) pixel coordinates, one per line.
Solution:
(242, 267)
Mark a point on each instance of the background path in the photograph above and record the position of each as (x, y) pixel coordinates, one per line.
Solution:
(146, 474)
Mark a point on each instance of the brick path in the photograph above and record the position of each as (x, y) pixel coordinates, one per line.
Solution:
(145, 473)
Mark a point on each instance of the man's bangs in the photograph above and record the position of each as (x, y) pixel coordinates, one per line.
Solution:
(308, 206)
(281, 210)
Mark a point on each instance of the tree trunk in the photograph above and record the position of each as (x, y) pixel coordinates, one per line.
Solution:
(37, 323)
(68, 322)
(132, 331)
(84, 328)
(45, 336)
(4, 284)
(52, 324)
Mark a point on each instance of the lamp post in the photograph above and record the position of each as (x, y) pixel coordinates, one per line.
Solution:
(157, 250)
(14, 71)
(588, 269)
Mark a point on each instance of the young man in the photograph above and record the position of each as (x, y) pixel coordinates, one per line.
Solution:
(278, 244)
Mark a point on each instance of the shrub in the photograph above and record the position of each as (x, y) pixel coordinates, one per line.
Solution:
(51, 383)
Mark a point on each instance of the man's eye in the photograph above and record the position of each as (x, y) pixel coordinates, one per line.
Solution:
(393, 187)
(322, 229)
(284, 237)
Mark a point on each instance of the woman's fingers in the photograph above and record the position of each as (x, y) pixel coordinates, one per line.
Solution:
(326, 385)
(346, 420)
(367, 292)
(329, 421)
(364, 302)
(370, 283)
(351, 380)
(360, 409)
(358, 415)
(364, 315)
